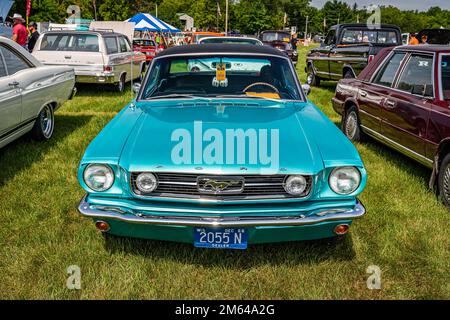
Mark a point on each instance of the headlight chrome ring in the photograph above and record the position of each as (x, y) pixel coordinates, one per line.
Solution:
(344, 180)
(98, 177)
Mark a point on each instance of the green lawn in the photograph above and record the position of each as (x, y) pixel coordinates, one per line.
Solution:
(405, 232)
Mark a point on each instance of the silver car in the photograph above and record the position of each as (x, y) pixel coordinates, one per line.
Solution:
(30, 93)
(97, 56)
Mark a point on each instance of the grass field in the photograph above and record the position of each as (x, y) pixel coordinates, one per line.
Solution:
(405, 232)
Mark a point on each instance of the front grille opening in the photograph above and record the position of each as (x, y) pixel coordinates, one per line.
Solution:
(186, 186)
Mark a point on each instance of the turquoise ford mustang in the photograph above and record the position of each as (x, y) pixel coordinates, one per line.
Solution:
(222, 157)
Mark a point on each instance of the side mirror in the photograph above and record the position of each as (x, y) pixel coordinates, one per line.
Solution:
(136, 87)
(306, 88)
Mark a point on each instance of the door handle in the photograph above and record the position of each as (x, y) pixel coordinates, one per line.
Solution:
(390, 104)
(68, 57)
(13, 84)
(363, 94)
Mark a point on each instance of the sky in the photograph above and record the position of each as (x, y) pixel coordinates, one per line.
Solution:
(421, 5)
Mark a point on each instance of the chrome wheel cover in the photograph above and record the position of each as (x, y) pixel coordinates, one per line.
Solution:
(351, 125)
(446, 184)
(309, 79)
(46, 119)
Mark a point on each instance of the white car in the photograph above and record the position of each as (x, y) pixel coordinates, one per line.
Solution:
(100, 57)
(30, 93)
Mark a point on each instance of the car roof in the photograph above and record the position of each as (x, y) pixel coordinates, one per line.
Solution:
(363, 25)
(425, 48)
(215, 48)
(101, 32)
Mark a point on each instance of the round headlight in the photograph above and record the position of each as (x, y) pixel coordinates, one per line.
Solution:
(295, 185)
(146, 182)
(345, 180)
(98, 177)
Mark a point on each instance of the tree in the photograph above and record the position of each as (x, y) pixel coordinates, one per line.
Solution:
(45, 10)
(114, 10)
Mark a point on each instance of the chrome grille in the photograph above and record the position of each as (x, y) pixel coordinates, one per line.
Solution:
(185, 186)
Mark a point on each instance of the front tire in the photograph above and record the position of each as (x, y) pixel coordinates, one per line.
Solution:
(311, 78)
(349, 74)
(120, 86)
(45, 124)
(444, 181)
(351, 125)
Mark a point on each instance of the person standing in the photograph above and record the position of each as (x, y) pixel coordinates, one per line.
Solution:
(20, 33)
(34, 35)
(413, 40)
(424, 39)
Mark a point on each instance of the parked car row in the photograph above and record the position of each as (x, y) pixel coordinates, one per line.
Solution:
(242, 157)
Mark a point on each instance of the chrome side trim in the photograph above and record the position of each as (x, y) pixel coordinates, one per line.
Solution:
(397, 146)
(117, 213)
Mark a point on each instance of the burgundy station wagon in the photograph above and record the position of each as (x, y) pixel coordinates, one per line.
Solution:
(402, 99)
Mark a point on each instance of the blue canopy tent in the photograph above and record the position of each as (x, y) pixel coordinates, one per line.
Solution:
(147, 22)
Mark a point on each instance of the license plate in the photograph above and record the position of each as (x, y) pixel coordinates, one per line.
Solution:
(220, 238)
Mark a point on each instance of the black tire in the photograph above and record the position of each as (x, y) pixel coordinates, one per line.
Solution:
(444, 181)
(45, 124)
(351, 125)
(311, 77)
(120, 86)
(349, 74)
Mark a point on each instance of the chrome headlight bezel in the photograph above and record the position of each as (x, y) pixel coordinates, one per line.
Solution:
(97, 168)
(139, 181)
(287, 185)
(348, 170)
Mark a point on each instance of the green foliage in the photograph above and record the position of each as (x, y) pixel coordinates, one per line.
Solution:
(248, 16)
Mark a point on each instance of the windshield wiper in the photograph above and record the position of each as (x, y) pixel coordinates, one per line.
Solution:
(178, 95)
(250, 97)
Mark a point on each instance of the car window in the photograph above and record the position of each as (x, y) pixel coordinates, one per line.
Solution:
(417, 76)
(70, 42)
(330, 37)
(386, 75)
(218, 75)
(13, 62)
(2, 68)
(445, 76)
(369, 36)
(123, 45)
(111, 45)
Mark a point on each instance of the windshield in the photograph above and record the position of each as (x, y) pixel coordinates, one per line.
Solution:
(222, 76)
(276, 36)
(70, 42)
(230, 40)
(445, 72)
(144, 42)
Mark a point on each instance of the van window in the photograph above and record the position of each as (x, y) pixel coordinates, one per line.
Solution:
(69, 42)
(111, 45)
(386, 75)
(123, 45)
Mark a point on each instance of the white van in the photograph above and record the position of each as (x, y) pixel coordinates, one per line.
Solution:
(97, 56)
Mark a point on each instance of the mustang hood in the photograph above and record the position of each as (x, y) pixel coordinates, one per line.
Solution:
(219, 138)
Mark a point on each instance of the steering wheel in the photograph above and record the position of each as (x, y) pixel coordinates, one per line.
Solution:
(261, 84)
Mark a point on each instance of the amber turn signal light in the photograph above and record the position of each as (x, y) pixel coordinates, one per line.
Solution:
(102, 226)
(341, 229)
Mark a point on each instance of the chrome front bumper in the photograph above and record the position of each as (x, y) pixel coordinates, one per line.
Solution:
(131, 216)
